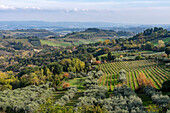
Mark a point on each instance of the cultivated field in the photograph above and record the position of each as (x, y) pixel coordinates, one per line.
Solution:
(156, 73)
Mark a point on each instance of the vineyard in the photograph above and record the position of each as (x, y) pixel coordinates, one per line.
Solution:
(155, 73)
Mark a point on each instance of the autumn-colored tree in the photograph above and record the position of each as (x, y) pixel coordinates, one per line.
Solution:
(107, 42)
(97, 62)
(121, 56)
(66, 75)
(100, 42)
(119, 85)
(161, 45)
(143, 81)
(65, 85)
(164, 55)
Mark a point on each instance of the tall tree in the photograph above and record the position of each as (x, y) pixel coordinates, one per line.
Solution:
(167, 50)
(97, 58)
(149, 46)
(55, 68)
(45, 70)
(109, 56)
(161, 45)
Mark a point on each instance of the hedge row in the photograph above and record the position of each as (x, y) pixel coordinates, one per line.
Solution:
(67, 96)
(92, 79)
(94, 93)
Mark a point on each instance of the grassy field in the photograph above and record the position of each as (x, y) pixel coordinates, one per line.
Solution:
(78, 82)
(155, 42)
(120, 53)
(24, 41)
(52, 43)
(77, 41)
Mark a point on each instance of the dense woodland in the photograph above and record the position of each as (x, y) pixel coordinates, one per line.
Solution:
(117, 75)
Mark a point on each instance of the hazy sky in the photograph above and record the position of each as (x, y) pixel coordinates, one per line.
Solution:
(116, 11)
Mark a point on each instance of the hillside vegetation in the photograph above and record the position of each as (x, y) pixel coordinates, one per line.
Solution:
(152, 34)
(111, 75)
(41, 33)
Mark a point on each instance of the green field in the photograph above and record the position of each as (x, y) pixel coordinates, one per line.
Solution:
(155, 42)
(78, 82)
(121, 53)
(51, 43)
(76, 41)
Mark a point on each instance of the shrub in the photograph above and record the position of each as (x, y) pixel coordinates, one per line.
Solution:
(97, 62)
(66, 75)
(65, 85)
(123, 91)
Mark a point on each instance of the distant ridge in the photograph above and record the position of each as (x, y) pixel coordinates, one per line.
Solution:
(11, 25)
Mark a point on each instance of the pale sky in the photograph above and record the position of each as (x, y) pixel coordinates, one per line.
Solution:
(116, 11)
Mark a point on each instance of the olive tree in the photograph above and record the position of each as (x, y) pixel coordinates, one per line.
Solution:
(122, 76)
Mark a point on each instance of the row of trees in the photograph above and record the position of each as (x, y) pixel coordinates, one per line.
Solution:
(67, 96)
(93, 93)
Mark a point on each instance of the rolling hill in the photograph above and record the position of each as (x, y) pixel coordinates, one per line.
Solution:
(40, 33)
(92, 35)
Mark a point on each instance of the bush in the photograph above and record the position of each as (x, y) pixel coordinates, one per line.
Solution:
(66, 75)
(65, 85)
(123, 91)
